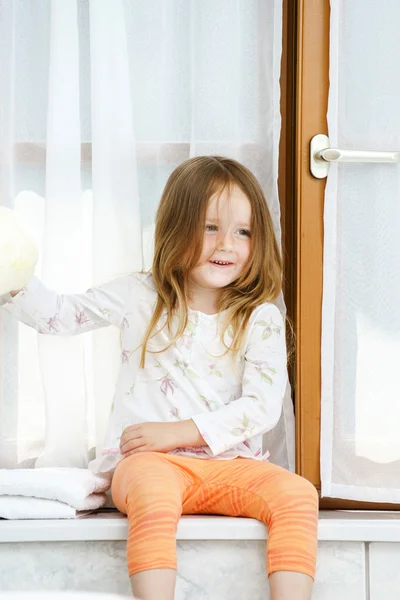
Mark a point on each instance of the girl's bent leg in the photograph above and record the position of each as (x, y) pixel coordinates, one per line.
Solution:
(149, 490)
(291, 515)
(290, 511)
(286, 503)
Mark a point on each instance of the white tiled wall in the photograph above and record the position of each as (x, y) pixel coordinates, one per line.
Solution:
(340, 571)
(208, 570)
(384, 571)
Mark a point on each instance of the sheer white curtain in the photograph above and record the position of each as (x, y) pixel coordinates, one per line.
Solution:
(100, 101)
(360, 442)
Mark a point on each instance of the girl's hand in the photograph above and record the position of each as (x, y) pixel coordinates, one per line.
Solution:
(159, 437)
(18, 252)
(148, 437)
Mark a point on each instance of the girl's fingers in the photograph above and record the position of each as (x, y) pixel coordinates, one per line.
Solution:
(131, 444)
(130, 433)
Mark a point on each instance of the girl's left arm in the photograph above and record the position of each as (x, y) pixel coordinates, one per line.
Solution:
(263, 386)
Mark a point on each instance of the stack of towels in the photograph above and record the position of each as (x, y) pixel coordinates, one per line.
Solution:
(51, 492)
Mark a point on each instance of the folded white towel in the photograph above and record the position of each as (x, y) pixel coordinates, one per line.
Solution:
(21, 507)
(70, 485)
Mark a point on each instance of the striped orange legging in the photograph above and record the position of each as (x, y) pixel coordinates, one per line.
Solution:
(155, 489)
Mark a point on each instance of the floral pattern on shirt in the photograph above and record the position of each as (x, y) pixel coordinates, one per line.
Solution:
(81, 317)
(269, 327)
(167, 385)
(186, 369)
(231, 402)
(211, 404)
(245, 429)
(175, 413)
(53, 323)
(265, 371)
(188, 337)
(125, 356)
(131, 389)
(213, 370)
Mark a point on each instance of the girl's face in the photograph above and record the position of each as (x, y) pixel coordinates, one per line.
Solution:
(227, 240)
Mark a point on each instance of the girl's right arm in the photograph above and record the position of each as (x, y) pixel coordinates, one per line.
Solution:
(68, 314)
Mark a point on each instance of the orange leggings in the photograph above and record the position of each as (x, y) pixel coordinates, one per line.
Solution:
(155, 489)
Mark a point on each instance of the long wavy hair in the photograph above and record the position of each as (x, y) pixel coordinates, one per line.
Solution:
(179, 233)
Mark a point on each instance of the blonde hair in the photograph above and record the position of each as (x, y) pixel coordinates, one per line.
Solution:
(181, 217)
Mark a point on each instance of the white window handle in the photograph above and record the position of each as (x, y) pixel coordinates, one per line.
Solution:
(321, 155)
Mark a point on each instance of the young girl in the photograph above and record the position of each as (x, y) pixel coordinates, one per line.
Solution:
(203, 376)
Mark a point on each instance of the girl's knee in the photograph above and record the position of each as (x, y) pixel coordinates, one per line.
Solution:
(146, 478)
(301, 488)
(137, 466)
(308, 495)
(140, 475)
(295, 491)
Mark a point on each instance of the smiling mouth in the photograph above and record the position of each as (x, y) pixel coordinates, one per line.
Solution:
(221, 263)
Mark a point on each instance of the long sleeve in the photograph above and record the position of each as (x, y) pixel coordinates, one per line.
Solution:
(263, 386)
(69, 314)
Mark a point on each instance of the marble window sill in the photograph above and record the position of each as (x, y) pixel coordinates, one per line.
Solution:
(364, 526)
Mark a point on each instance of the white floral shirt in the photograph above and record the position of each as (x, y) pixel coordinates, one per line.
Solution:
(232, 401)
